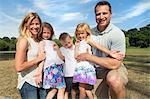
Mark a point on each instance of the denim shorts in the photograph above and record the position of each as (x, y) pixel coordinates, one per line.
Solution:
(30, 92)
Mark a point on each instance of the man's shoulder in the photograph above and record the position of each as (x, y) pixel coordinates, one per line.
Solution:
(116, 28)
(94, 31)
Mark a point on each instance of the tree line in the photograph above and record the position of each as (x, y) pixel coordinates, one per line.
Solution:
(134, 37)
(138, 37)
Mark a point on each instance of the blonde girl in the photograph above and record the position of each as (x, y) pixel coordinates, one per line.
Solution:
(85, 72)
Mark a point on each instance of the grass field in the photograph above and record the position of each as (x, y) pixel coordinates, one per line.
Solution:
(137, 61)
(138, 51)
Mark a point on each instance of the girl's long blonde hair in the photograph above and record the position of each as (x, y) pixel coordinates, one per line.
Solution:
(23, 29)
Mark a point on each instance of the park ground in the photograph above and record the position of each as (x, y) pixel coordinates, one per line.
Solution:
(137, 62)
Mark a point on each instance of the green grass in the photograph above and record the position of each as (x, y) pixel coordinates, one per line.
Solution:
(138, 51)
(7, 52)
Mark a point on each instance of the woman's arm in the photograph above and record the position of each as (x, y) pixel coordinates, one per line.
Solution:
(21, 56)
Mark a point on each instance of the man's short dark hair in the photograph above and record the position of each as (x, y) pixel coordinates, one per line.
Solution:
(104, 2)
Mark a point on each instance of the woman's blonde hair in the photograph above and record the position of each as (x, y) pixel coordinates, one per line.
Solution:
(23, 29)
(83, 27)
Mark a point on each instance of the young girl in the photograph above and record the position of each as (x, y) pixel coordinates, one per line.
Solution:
(85, 72)
(53, 77)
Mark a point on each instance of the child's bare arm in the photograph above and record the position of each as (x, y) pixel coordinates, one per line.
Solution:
(114, 54)
(100, 47)
(58, 52)
(76, 53)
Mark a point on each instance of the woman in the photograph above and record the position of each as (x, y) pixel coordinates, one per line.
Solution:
(27, 57)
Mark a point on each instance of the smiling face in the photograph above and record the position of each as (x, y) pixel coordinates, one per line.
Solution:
(46, 33)
(67, 43)
(81, 35)
(82, 31)
(34, 27)
(103, 16)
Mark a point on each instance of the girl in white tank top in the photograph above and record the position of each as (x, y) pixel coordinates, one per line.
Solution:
(52, 66)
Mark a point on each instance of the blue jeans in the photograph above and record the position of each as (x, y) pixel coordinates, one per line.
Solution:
(30, 92)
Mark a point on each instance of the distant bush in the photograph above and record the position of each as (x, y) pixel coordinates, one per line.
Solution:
(7, 44)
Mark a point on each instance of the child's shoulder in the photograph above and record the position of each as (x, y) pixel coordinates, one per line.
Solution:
(62, 48)
(47, 41)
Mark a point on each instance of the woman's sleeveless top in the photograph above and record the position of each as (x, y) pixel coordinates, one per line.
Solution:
(28, 74)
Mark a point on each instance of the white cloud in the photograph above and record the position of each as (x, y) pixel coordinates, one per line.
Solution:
(59, 10)
(136, 10)
(9, 25)
(86, 1)
(141, 21)
(22, 9)
(50, 8)
(4, 16)
(72, 16)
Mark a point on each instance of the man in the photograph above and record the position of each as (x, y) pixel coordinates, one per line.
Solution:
(111, 70)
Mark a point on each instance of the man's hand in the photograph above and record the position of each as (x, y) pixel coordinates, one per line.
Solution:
(83, 57)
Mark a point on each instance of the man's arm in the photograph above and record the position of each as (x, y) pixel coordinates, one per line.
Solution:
(107, 62)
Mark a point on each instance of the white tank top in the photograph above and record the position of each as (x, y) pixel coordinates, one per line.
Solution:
(51, 55)
(28, 75)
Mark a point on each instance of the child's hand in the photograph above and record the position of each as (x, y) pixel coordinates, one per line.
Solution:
(117, 54)
(89, 40)
(55, 46)
(38, 79)
(77, 43)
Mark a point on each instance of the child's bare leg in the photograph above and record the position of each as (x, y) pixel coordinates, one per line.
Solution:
(89, 94)
(66, 95)
(73, 94)
(82, 91)
(60, 94)
(51, 94)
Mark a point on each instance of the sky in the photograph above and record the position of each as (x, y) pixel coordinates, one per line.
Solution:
(64, 15)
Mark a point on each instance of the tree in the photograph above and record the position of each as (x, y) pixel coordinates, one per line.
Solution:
(57, 42)
(6, 39)
(127, 42)
(4, 46)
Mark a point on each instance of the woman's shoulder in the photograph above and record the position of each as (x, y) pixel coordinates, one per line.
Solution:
(22, 42)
